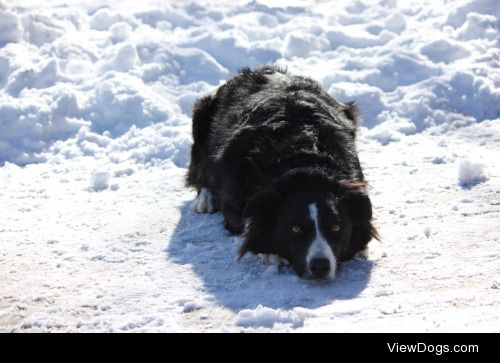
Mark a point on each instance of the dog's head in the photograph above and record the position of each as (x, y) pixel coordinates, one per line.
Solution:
(314, 226)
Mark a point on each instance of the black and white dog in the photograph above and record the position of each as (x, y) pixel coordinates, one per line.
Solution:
(277, 156)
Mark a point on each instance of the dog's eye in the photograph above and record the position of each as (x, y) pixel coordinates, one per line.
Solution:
(336, 227)
(296, 229)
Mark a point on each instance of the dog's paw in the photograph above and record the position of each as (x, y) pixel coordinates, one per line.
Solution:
(204, 202)
(374, 251)
(363, 255)
(270, 259)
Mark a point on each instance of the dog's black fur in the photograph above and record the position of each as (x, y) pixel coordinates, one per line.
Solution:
(268, 144)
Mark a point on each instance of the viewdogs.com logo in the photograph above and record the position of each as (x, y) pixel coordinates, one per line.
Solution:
(437, 349)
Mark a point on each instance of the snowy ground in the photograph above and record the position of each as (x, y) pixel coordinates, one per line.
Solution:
(96, 231)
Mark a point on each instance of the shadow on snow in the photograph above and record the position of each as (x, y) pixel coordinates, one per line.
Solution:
(201, 241)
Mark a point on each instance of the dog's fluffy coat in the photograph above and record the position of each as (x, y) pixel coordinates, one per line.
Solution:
(270, 149)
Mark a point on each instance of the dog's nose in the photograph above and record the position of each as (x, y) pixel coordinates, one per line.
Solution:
(319, 267)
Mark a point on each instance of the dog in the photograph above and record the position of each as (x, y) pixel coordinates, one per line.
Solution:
(277, 156)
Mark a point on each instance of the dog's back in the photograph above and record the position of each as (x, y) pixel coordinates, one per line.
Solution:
(261, 122)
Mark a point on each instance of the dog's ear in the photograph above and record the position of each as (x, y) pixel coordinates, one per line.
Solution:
(352, 112)
(354, 197)
(260, 215)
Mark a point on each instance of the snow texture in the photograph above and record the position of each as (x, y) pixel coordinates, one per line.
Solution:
(97, 229)
(267, 317)
(99, 181)
(470, 174)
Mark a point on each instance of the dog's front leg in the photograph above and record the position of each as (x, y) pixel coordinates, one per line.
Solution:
(232, 207)
(233, 218)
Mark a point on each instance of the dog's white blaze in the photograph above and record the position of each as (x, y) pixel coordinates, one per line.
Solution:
(319, 247)
(203, 202)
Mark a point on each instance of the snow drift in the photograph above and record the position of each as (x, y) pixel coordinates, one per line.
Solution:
(108, 69)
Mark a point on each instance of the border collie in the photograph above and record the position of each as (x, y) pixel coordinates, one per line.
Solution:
(276, 155)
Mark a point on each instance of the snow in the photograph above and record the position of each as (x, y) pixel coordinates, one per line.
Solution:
(96, 226)
(99, 181)
(297, 44)
(470, 173)
(10, 28)
(267, 317)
